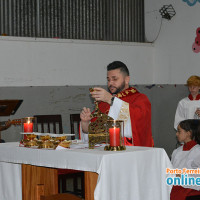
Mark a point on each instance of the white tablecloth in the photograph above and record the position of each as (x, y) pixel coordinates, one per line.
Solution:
(137, 173)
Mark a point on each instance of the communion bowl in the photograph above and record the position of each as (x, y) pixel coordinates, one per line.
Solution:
(47, 144)
(31, 143)
(58, 137)
(44, 137)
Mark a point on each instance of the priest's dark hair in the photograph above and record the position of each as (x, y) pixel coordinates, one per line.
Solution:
(118, 65)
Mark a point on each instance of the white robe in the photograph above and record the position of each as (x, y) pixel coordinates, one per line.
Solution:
(114, 112)
(187, 159)
(186, 110)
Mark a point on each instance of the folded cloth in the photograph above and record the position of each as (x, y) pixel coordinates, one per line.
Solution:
(60, 147)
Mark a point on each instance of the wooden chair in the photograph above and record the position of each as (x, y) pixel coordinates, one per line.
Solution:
(65, 196)
(63, 174)
(66, 174)
(74, 124)
(49, 123)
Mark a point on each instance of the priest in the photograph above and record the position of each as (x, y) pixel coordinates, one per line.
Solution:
(122, 102)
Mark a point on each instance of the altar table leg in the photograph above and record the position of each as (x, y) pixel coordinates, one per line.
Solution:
(90, 184)
(34, 175)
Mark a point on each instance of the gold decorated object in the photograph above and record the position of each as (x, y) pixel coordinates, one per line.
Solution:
(44, 137)
(30, 141)
(116, 148)
(45, 141)
(47, 144)
(97, 112)
(59, 138)
(65, 143)
(106, 130)
(97, 132)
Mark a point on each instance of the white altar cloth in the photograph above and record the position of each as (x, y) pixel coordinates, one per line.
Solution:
(139, 173)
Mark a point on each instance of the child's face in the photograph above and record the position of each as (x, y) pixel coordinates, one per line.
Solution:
(182, 135)
(194, 90)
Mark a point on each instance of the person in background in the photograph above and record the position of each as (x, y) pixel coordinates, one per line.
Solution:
(189, 107)
(187, 156)
(122, 102)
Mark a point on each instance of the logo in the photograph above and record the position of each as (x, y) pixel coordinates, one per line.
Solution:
(183, 177)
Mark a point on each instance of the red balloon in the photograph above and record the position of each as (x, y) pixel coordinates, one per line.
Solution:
(197, 41)
(198, 32)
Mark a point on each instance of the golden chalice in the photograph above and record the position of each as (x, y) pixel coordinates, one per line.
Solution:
(31, 140)
(56, 139)
(97, 112)
(45, 141)
(44, 137)
(47, 144)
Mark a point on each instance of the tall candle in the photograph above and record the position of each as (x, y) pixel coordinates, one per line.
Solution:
(28, 127)
(114, 136)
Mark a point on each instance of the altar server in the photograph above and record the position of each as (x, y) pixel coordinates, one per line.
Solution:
(122, 102)
(187, 156)
(189, 107)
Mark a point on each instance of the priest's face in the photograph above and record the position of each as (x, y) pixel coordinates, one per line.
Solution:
(117, 81)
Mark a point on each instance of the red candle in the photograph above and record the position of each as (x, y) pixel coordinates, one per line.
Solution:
(114, 136)
(28, 127)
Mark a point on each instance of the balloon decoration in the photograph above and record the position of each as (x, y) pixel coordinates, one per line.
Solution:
(191, 2)
(196, 44)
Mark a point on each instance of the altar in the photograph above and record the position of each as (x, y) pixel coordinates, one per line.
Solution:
(137, 173)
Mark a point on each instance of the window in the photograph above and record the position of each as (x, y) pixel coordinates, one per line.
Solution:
(108, 20)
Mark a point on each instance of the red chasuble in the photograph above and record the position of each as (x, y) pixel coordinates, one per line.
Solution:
(140, 115)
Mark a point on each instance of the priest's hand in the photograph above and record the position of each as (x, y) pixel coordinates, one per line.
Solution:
(85, 119)
(100, 94)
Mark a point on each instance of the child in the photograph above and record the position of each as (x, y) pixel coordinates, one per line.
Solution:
(189, 107)
(187, 156)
